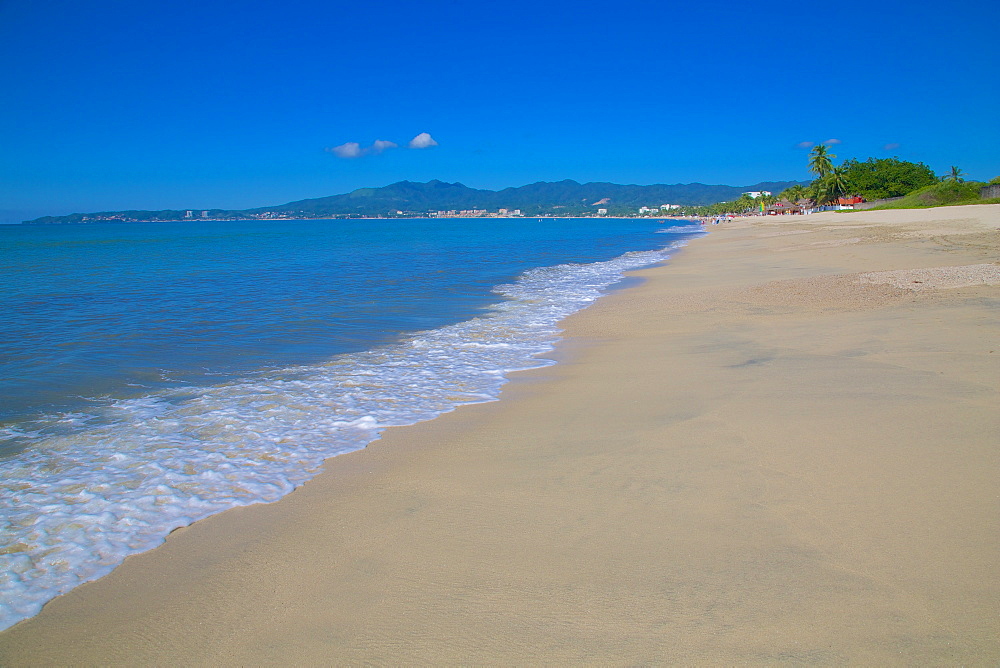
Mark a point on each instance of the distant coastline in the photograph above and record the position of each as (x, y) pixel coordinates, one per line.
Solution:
(437, 199)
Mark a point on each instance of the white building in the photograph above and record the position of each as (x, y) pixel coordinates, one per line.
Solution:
(757, 193)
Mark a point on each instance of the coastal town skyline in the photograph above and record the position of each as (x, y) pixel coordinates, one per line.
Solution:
(115, 106)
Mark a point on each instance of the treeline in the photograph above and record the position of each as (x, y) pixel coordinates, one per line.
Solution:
(871, 179)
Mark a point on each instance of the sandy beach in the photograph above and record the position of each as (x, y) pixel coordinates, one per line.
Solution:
(781, 448)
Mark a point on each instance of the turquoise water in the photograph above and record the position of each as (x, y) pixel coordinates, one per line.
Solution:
(154, 374)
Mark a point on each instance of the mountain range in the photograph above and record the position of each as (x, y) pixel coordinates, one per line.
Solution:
(561, 198)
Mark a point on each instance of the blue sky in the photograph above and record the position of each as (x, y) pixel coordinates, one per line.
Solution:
(115, 104)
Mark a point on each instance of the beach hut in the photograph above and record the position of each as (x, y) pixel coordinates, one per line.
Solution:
(783, 207)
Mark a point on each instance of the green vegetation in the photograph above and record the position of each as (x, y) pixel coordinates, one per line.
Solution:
(945, 193)
(956, 175)
(743, 204)
(793, 194)
(886, 177)
(830, 181)
(872, 179)
(949, 190)
(821, 161)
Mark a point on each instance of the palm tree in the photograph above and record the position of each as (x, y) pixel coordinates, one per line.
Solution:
(742, 203)
(821, 191)
(837, 182)
(956, 175)
(793, 194)
(829, 187)
(822, 160)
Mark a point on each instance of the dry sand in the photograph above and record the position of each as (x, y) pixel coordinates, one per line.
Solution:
(781, 448)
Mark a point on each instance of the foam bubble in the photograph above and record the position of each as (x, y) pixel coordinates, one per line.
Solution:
(682, 229)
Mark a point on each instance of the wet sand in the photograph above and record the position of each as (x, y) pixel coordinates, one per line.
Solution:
(781, 448)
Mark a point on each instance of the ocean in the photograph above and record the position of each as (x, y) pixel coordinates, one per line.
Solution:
(153, 374)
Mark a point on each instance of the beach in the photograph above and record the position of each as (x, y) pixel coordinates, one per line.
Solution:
(780, 447)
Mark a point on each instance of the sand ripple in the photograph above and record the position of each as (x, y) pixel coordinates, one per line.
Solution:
(936, 278)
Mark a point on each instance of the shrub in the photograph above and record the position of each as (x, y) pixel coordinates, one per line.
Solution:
(887, 177)
(949, 192)
(939, 194)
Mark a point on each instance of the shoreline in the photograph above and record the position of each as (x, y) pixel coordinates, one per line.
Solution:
(751, 457)
(292, 418)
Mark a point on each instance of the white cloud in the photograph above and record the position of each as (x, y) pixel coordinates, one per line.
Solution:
(890, 147)
(831, 142)
(804, 144)
(381, 145)
(422, 140)
(351, 149)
